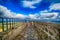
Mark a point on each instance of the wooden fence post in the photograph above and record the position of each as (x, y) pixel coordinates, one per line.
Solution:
(2, 24)
(7, 23)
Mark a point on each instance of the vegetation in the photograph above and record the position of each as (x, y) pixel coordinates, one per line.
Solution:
(15, 25)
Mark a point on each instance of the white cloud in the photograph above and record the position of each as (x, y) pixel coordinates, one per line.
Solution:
(30, 4)
(4, 12)
(47, 15)
(43, 16)
(55, 6)
(44, 11)
(20, 16)
(34, 16)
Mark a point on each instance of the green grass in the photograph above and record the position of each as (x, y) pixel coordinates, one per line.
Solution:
(0, 25)
(17, 24)
(5, 28)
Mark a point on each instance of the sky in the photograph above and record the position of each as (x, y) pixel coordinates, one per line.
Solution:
(40, 10)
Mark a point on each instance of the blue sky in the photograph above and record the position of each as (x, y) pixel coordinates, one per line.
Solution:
(45, 10)
(17, 6)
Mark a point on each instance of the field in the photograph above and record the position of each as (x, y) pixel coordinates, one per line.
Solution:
(17, 24)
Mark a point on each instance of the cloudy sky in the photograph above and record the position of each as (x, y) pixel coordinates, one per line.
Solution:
(42, 10)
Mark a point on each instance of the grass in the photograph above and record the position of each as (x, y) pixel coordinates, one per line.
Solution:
(0, 27)
(17, 24)
(5, 28)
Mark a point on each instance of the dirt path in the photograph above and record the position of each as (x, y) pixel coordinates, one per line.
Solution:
(29, 33)
(11, 35)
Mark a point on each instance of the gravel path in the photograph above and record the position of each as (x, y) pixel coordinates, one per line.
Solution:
(29, 34)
